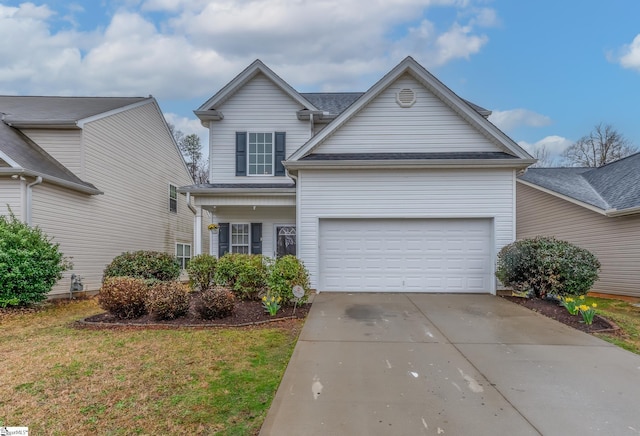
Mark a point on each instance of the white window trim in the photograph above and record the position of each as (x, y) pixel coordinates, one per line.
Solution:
(184, 244)
(273, 153)
(170, 198)
(231, 245)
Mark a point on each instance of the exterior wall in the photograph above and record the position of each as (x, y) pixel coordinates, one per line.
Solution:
(64, 145)
(427, 126)
(614, 240)
(131, 157)
(11, 197)
(402, 194)
(259, 106)
(270, 217)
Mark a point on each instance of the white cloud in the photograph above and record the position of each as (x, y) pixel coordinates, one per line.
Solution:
(631, 54)
(549, 148)
(511, 119)
(198, 45)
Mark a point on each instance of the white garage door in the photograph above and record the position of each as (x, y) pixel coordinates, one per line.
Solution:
(406, 255)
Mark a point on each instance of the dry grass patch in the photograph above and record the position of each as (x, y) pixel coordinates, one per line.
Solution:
(61, 380)
(626, 315)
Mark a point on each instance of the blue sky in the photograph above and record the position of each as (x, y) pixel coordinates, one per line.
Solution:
(549, 70)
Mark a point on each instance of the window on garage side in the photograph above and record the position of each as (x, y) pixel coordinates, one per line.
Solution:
(183, 254)
(173, 198)
(240, 241)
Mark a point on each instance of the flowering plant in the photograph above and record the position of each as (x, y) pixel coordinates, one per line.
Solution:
(570, 304)
(271, 304)
(588, 312)
(212, 226)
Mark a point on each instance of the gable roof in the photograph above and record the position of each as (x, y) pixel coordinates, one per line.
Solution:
(612, 189)
(25, 157)
(208, 110)
(463, 108)
(61, 112)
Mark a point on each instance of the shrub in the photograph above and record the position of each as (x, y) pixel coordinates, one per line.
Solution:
(244, 274)
(545, 265)
(284, 274)
(148, 265)
(124, 297)
(216, 302)
(30, 263)
(167, 300)
(201, 270)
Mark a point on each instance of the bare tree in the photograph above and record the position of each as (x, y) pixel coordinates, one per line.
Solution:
(191, 150)
(604, 144)
(545, 160)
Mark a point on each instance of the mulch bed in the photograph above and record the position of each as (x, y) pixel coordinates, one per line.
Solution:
(247, 313)
(551, 309)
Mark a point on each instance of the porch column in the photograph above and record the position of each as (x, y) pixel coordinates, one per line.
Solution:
(197, 231)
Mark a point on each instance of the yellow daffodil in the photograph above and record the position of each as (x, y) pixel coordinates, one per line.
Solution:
(594, 305)
(582, 297)
(569, 300)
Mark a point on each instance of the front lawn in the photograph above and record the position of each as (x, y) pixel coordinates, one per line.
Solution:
(57, 379)
(626, 315)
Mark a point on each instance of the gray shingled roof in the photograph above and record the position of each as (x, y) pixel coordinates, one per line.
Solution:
(407, 156)
(33, 158)
(615, 186)
(236, 186)
(332, 102)
(58, 110)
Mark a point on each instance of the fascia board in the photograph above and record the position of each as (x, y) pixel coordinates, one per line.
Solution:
(410, 163)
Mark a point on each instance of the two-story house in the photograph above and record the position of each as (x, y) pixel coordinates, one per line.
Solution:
(98, 174)
(406, 187)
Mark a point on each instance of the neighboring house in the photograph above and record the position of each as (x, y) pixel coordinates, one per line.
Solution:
(594, 208)
(405, 187)
(98, 174)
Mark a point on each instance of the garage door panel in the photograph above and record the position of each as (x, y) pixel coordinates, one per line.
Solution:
(429, 255)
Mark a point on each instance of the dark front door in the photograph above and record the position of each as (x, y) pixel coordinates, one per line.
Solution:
(285, 240)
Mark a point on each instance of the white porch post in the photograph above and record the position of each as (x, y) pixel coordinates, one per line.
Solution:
(197, 231)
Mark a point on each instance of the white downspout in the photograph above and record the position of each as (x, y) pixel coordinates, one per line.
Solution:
(197, 226)
(37, 181)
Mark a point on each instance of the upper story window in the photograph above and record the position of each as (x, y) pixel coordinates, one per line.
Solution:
(260, 154)
(173, 198)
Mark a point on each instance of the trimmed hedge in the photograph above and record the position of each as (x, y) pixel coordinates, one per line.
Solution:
(30, 263)
(124, 297)
(167, 300)
(245, 274)
(545, 265)
(216, 302)
(201, 270)
(147, 265)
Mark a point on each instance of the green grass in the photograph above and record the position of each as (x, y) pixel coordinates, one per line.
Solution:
(626, 315)
(59, 380)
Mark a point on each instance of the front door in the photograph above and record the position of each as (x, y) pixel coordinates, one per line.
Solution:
(285, 240)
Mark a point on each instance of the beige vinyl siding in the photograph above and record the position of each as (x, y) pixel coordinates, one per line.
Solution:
(11, 197)
(428, 126)
(464, 193)
(614, 240)
(131, 158)
(64, 145)
(269, 217)
(259, 106)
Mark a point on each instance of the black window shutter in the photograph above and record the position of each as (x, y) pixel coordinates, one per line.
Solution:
(256, 238)
(223, 239)
(241, 153)
(280, 153)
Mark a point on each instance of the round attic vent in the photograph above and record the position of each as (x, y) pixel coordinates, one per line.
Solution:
(406, 97)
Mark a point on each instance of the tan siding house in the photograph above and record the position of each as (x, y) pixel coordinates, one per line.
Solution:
(555, 202)
(100, 183)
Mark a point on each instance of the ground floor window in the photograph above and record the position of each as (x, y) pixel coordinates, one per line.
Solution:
(240, 241)
(183, 254)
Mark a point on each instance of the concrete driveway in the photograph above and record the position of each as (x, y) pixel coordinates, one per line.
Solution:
(436, 364)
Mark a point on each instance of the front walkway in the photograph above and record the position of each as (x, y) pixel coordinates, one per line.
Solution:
(437, 364)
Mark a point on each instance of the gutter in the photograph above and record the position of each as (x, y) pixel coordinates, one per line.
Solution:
(622, 212)
(53, 124)
(55, 180)
(236, 191)
(410, 163)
